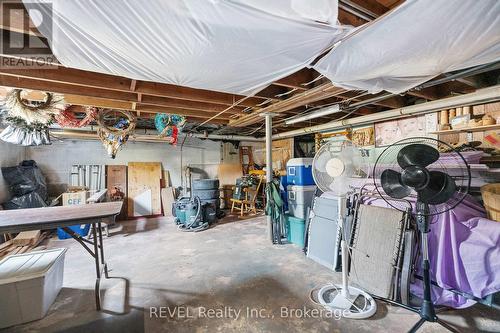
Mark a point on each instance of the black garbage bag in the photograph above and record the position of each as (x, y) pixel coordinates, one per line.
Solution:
(26, 184)
(30, 200)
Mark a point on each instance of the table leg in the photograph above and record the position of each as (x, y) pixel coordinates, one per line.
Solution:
(101, 247)
(100, 264)
(97, 268)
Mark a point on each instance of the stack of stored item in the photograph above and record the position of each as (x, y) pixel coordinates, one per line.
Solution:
(198, 212)
(247, 195)
(75, 195)
(300, 194)
(207, 190)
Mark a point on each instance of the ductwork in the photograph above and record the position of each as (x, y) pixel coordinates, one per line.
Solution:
(481, 96)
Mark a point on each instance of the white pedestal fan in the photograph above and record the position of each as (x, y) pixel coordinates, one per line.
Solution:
(335, 169)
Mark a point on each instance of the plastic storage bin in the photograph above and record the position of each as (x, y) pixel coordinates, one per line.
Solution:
(296, 228)
(300, 199)
(80, 229)
(299, 171)
(29, 284)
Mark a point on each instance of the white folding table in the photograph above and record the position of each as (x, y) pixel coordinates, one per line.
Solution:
(18, 220)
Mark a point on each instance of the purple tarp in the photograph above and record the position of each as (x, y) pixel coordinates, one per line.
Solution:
(464, 251)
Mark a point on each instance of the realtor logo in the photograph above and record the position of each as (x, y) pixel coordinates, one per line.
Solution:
(21, 42)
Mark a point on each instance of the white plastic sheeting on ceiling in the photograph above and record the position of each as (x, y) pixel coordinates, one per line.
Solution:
(414, 43)
(234, 46)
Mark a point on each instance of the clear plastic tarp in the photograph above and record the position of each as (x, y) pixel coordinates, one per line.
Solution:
(417, 41)
(235, 46)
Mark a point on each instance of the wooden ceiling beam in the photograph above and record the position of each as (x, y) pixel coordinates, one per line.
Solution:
(371, 6)
(350, 19)
(97, 102)
(113, 95)
(180, 111)
(62, 88)
(193, 105)
(111, 104)
(61, 74)
(312, 95)
(200, 95)
(295, 80)
(190, 119)
(393, 102)
(110, 82)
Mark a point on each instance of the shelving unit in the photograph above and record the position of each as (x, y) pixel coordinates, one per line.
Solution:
(469, 129)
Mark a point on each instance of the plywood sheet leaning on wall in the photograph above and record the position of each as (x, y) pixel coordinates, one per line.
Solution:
(165, 179)
(116, 183)
(167, 200)
(144, 177)
(228, 173)
(282, 152)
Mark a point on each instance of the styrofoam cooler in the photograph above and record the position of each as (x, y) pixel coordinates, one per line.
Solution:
(300, 199)
(299, 171)
(29, 284)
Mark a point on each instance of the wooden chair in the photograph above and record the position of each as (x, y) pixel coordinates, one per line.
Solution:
(247, 205)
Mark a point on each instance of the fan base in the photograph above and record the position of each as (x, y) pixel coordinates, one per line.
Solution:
(344, 302)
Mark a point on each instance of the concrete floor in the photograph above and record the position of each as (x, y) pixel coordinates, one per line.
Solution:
(230, 267)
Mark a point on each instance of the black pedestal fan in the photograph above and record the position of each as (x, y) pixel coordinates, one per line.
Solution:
(414, 168)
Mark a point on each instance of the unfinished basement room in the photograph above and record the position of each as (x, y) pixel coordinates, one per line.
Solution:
(250, 166)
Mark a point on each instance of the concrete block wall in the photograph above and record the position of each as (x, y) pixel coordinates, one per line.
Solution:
(10, 155)
(56, 160)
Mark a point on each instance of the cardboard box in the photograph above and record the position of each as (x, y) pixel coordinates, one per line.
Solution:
(75, 198)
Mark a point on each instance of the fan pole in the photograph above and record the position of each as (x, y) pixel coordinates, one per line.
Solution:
(345, 270)
(427, 311)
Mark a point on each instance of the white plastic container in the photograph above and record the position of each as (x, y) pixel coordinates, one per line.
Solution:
(299, 200)
(29, 284)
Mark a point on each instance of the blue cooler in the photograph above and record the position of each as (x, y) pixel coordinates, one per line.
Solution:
(299, 172)
(80, 229)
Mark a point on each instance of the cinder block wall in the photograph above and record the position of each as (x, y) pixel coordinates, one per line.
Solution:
(56, 160)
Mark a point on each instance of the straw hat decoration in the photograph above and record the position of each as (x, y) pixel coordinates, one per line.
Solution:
(32, 111)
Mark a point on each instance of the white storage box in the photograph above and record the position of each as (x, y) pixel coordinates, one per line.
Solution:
(300, 199)
(29, 284)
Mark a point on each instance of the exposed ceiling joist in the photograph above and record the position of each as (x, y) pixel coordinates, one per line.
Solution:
(315, 94)
(78, 77)
(298, 79)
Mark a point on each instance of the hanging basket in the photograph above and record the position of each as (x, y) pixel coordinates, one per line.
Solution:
(113, 137)
(117, 128)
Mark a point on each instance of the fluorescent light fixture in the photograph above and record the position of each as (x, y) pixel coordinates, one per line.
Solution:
(320, 113)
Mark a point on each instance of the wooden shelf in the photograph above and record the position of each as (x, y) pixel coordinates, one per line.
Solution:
(469, 129)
